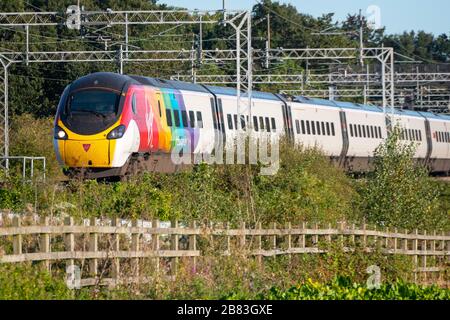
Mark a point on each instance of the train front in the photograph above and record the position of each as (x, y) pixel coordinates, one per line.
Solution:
(90, 135)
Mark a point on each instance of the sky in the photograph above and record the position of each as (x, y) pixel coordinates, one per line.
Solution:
(396, 15)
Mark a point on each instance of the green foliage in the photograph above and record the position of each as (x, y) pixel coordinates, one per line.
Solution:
(27, 282)
(36, 89)
(342, 288)
(399, 192)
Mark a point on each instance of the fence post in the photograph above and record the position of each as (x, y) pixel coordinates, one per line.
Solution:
(405, 242)
(341, 236)
(116, 248)
(303, 238)
(289, 239)
(386, 240)
(69, 241)
(45, 242)
(259, 242)
(193, 244)
(416, 256)
(228, 238)
(395, 240)
(17, 239)
(242, 236)
(135, 247)
(93, 247)
(274, 236)
(442, 258)
(364, 236)
(329, 234)
(155, 240)
(433, 250)
(174, 246)
(316, 236)
(353, 238)
(424, 250)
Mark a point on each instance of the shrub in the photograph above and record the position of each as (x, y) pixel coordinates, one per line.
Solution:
(342, 288)
(399, 192)
(27, 282)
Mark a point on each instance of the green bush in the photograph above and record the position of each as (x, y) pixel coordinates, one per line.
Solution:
(342, 288)
(399, 192)
(27, 282)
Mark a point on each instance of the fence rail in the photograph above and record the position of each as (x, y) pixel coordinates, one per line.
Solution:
(92, 242)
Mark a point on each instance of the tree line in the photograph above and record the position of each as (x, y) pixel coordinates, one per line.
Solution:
(36, 88)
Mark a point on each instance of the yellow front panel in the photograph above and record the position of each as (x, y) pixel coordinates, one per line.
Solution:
(85, 153)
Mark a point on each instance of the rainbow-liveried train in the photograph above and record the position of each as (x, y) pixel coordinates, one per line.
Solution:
(110, 124)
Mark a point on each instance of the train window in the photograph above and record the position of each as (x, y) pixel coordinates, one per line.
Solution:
(133, 103)
(328, 129)
(379, 133)
(359, 131)
(420, 135)
(230, 122)
(235, 121)
(274, 126)
(372, 132)
(318, 127)
(303, 127)
(417, 135)
(313, 127)
(438, 136)
(351, 130)
(243, 124)
(332, 129)
(199, 119)
(364, 130)
(308, 128)
(176, 116)
(184, 119)
(376, 132)
(192, 119)
(447, 135)
(267, 124)
(261, 123)
(323, 127)
(159, 108)
(169, 117)
(297, 126)
(255, 123)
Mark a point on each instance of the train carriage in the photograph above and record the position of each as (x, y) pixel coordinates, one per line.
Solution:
(111, 125)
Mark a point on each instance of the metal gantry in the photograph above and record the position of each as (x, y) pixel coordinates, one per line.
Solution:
(240, 21)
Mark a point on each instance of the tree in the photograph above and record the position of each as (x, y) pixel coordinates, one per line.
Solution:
(398, 192)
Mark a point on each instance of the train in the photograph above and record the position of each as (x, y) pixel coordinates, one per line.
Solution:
(114, 125)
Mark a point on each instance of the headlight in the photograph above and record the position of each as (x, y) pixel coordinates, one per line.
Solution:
(117, 133)
(60, 134)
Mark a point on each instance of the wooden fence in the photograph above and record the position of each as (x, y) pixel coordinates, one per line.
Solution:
(124, 245)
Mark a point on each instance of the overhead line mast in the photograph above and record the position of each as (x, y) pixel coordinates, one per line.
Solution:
(75, 18)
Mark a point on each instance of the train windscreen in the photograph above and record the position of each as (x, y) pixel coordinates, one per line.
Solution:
(91, 111)
(94, 101)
